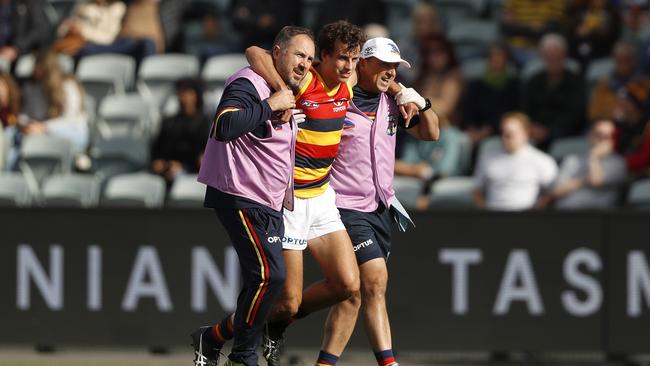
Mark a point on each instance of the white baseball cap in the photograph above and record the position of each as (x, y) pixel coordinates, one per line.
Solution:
(384, 49)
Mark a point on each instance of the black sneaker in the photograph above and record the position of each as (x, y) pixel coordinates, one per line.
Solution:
(272, 343)
(206, 353)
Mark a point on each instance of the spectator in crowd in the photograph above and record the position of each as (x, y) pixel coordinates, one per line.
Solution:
(24, 27)
(425, 23)
(9, 101)
(440, 78)
(259, 21)
(9, 110)
(605, 95)
(638, 162)
(54, 102)
(633, 128)
(511, 178)
(142, 25)
(204, 34)
(525, 21)
(489, 97)
(630, 115)
(636, 19)
(431, 161)
(594, 27)
(359, 12)
(179, 146)
(93, 23)
(554, 98)
(94, 27)
(592, 179)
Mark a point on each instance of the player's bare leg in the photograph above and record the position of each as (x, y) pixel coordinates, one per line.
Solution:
(372, 302)
(334, 254)
(287, 305)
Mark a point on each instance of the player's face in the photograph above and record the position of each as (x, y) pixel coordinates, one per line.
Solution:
(294, 60)
(379, 72)
(341, 63)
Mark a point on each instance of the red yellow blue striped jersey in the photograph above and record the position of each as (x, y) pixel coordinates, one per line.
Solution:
(319, 136)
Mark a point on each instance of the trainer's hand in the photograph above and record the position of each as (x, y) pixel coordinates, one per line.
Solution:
(409, 95)
(408, 110)
(281, 100)
(299, 116)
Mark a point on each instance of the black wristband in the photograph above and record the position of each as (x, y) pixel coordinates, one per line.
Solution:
(427, 105)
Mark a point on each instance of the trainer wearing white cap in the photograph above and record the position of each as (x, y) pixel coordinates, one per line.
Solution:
(362, 177)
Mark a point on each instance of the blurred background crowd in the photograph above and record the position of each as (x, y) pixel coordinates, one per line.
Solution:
(543, 103)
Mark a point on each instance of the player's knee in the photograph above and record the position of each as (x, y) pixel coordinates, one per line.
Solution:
(354, 301)
(347, 286)
(374, 284)
(288, 306)
(374, 288)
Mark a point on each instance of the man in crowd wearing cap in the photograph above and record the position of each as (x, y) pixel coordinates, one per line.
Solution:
(362, 176)
(247, 167)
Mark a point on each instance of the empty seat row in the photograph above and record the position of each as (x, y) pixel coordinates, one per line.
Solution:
(83, 190)
(457, 193)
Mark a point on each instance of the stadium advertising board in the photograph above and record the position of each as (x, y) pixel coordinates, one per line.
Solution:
(459, 281)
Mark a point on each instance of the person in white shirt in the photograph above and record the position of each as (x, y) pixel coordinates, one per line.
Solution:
(511, 178)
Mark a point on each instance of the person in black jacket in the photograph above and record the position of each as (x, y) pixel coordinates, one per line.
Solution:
(24, 27)
(179, 145)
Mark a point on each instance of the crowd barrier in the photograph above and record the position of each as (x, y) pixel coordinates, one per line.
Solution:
(459, 281)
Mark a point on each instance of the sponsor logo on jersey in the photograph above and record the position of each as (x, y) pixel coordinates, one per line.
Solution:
(309, 104)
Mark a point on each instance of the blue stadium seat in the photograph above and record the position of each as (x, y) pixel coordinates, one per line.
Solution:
(452, 192)
(563, 147)
(25, 65)
(71, 190)
(106, 74)
(186, 192)
(134, 190)
(126, 115)
(43, 155)
(407, 190)
(14, 190)
(158, 73)
(119, 156)
(639, 195)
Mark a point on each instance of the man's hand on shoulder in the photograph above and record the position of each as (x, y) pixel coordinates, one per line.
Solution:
(281, 100)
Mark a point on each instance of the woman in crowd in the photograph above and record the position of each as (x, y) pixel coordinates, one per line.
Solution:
(56, 103)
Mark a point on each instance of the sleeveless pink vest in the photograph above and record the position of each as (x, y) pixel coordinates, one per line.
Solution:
(259, 169)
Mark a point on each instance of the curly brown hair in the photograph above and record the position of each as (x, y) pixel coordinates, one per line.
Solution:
(345, 32)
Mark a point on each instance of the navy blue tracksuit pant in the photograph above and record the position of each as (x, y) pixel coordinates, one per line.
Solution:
(256, 235)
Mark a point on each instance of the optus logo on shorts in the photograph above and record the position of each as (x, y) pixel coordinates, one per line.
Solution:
(293, 241)
(273, 239)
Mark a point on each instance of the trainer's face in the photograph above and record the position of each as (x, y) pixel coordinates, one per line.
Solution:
(294, 59)
(378, 73)
(340, 64)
